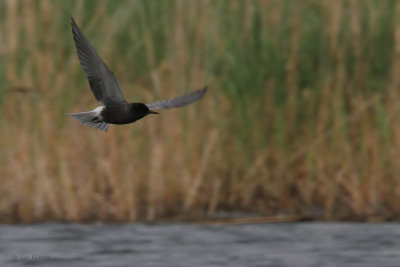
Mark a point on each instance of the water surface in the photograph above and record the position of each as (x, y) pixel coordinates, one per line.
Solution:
(288, 244)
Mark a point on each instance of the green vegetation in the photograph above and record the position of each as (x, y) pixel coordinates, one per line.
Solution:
(302, 116)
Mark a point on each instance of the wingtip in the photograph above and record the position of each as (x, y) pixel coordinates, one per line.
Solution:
(204, 90)
(74, 25)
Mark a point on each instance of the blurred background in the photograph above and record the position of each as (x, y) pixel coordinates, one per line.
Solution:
(302, 116)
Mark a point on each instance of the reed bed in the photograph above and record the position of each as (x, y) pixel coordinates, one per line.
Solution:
(302, 117)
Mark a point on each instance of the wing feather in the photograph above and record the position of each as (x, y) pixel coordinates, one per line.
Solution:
(102, 81)
(178, 101)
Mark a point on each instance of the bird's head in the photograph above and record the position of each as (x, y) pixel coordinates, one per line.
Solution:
(142, 109)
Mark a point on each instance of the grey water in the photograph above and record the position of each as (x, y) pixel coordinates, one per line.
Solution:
(285, 244)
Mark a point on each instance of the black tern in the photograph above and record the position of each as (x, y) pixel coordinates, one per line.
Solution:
(114, 109)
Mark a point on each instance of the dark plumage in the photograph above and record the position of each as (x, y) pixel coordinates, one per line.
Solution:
(105, 88)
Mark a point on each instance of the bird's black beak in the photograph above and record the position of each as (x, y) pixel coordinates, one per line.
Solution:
(152, 112)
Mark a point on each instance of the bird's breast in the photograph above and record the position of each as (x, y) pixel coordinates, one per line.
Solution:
(119, 114)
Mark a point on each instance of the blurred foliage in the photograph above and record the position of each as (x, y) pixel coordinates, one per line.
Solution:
(301, 116)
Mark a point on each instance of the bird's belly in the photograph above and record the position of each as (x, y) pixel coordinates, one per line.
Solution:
(118, 115)
(120, 120)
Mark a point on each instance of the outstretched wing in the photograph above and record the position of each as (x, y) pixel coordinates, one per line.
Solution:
(179, 101)
(102, 81)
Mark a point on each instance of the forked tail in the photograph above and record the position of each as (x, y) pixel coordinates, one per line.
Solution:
(91, 119)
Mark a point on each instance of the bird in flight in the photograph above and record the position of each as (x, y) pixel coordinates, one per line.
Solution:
(114, 109)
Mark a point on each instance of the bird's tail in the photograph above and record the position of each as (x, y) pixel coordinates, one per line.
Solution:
(91, 119)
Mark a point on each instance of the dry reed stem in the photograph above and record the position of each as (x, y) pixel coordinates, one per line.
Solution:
(199, 177)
